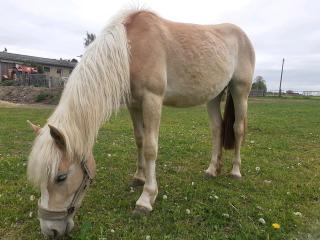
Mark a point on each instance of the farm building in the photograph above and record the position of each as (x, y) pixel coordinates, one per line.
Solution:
(12, 64)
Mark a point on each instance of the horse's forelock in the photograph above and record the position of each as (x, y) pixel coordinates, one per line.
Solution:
(44, 159)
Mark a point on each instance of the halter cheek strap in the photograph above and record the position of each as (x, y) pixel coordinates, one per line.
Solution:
(47, 214)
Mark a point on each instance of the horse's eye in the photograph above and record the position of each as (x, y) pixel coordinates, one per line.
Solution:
(60, 178)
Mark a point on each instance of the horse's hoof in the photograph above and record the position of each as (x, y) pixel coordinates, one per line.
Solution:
(208, 175)
(235, 176)
(140, 210)
(136, 182)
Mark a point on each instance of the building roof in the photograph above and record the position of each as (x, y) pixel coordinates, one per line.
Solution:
(37, 60)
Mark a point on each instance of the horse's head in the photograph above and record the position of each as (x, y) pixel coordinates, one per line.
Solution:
(62, 178)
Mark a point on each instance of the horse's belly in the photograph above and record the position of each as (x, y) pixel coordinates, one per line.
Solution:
(191, 95)
(196, 82)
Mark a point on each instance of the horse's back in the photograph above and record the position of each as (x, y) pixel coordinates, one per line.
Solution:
(196, 61)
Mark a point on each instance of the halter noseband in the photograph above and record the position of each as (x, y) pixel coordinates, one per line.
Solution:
(47, 214)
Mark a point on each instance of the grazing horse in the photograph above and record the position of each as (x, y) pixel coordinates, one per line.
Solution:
(144, 61)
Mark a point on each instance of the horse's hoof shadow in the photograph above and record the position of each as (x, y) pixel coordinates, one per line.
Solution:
(209, 176)
(136, 183)
(141, 211)
(235, 177)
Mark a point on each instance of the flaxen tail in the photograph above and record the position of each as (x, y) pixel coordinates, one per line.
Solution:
(227, 133)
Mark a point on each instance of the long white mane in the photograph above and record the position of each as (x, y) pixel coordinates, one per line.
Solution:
(95, 89)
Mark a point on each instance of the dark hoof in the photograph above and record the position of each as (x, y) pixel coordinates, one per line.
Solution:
(141, 211)
(137, 183)
(236, 177)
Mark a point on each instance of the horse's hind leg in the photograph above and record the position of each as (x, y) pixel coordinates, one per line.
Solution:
(137, 120)
(214, 112)
(240, 91)
(151, 108)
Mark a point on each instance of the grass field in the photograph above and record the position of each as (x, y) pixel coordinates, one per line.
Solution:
(283, 141)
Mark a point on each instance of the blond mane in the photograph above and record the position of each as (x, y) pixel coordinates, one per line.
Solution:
(95, 89)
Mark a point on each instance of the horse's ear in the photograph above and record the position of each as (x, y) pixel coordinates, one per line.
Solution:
(35, 128)
(58, 137)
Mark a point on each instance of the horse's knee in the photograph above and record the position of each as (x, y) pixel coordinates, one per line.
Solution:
(150, 150)
(238, 128)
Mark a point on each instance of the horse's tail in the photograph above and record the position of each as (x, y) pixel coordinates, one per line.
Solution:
(227, 133)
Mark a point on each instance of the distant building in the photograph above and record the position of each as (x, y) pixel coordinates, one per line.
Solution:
(11, 64)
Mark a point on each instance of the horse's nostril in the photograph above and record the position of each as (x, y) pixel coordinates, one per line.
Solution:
(55, 233)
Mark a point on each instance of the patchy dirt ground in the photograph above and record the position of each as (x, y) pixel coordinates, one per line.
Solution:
(5, 104)
(29, 94)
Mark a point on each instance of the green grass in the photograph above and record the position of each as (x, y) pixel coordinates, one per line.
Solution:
(283, 140)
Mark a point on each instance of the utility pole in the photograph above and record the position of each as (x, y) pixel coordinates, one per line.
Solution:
(281, 78)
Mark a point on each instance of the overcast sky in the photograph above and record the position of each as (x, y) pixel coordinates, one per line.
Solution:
(277, 29)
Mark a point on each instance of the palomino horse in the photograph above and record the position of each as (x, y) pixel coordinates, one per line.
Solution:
(145, 61)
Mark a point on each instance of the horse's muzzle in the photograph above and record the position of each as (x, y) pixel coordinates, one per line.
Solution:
(56, 228)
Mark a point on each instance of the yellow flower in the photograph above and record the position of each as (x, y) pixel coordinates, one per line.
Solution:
(276, 226)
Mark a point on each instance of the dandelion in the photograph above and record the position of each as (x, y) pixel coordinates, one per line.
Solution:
(258, 169)
(188, 211)
(276, 226)
(32, 197)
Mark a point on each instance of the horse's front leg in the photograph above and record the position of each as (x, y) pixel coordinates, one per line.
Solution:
(137, 121)
(151, 111)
